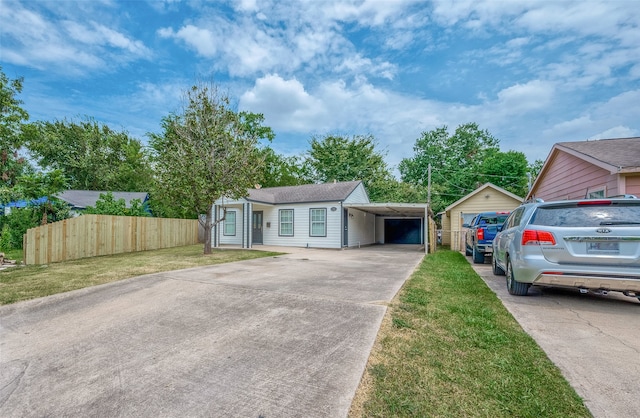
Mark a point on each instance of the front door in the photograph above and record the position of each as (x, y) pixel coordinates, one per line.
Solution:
(257, 228)
(345, 232)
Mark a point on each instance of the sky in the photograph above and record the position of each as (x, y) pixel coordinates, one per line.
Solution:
(532, 73)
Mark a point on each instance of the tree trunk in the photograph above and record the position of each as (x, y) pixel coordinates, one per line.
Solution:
(208, 224)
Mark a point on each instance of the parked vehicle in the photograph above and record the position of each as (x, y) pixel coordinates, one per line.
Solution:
(479, 237)
(592, 245)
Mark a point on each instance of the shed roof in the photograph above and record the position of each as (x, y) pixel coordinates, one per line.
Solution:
(326, 192)
(80, 199)
(620, 153)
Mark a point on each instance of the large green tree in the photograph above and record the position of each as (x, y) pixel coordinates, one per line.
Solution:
(107, 204)
(206, 152)
(12, 117)
(340, 158)
(460, 162)
(91, 155)
(505, 169)
(280, 170)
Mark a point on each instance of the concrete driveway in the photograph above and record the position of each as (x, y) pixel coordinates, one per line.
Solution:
(594, 340)
(275, 337)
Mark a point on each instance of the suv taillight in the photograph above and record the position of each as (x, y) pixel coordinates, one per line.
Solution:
(480, 234)
(533, 237)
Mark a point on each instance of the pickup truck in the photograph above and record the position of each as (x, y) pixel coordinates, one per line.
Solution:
(482, 229)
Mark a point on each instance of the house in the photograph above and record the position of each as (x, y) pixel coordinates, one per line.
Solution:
(589, 169)
(486, 198)
(330, 215)
(79, 200)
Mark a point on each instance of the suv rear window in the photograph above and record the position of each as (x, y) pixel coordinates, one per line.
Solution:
(587, 215)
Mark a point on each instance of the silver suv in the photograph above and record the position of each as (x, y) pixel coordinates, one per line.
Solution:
(591, 244)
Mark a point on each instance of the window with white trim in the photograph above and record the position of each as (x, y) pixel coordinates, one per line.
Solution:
(318, 222)
(286, 222)
(230, 223)
(595, 194)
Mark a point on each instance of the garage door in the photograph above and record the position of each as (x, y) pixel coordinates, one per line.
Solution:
(402, 231)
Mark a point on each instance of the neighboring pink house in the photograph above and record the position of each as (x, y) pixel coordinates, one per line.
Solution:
(589, 169)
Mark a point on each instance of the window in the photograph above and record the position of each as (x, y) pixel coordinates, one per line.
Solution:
(595, 194)
(317, 222)
(514, 219)
(230, 223)
(286, 222)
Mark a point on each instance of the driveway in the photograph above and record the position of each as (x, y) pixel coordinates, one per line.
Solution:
(594, 340)
(274, 337)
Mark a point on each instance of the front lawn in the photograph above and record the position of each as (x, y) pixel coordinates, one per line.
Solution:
(448, 348)
(29, 282)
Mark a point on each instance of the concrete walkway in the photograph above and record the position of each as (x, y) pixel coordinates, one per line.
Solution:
(285, 336)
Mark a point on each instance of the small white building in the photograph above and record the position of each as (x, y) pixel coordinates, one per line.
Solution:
(330, 215)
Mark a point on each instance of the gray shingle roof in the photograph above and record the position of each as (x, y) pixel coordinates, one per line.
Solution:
(622, 152)
(80, 199)
(327, 192)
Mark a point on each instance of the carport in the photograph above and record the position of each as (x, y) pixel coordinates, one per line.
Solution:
(398, 223)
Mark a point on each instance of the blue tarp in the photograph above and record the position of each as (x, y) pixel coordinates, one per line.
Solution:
(24, 203)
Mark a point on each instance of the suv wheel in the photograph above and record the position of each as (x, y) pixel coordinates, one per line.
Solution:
(478, 257)
(513, 286)
(496, 269)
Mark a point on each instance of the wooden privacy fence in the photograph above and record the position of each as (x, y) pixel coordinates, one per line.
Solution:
(433, 235)
(96, 235)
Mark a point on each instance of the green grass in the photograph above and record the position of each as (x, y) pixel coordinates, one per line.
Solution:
(448, 348)
(13, 255)
(29, 282)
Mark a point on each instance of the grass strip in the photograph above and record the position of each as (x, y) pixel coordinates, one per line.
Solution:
(449, 348)
(29, 282)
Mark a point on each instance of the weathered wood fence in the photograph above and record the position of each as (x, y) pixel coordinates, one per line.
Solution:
(96, 235)
(433, 235)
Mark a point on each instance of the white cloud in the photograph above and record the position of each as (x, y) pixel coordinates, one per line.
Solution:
(336, 106)
(285, 102)
(357, 64)
(611, 118)
(616, 132)
(30, 37)
(521, 98)
(202, 40)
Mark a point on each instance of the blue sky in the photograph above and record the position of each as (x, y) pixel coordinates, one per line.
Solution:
(533, 73)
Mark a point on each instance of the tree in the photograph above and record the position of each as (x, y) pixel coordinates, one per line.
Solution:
(108, 205)
(507, 170)
(207, 152)
(343, 159)
(535, 168)
(282, 171)
(12, 115)
(91, 155)
(460, 163)
(46, 185)
(38, 190)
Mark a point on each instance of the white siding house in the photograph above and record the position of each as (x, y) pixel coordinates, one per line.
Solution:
(331, 215)
(310, 215)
